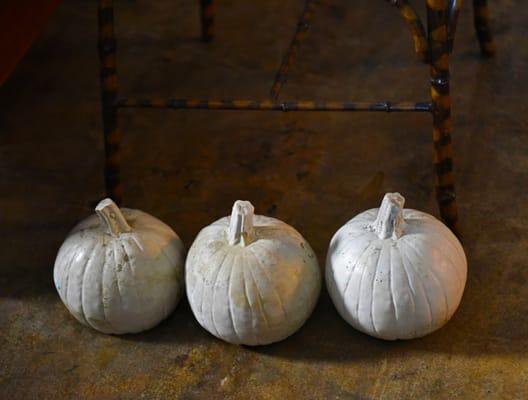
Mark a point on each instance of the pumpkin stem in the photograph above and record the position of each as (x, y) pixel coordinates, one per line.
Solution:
(241, 224)
(112, 217)
(389, 222)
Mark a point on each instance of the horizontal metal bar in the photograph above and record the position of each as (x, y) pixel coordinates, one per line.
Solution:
(268, 105)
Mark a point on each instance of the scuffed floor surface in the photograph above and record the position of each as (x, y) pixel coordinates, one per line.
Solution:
(314, 171)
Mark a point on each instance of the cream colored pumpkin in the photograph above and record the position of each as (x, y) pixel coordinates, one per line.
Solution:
(395, 273)
(120, 271)
(251, 279)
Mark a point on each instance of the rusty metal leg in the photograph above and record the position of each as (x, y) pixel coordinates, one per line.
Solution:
(482, 26)
(112, 137)
(437, 16)
(207, 14)
(412, 19)
(301, 32)
(452, 21)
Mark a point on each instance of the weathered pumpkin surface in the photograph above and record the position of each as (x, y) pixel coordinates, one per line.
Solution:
(251, 279)
(395, 273)
(122, 275)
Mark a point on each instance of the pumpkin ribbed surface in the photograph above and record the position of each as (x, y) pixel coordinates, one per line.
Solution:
(120, 284)
(396, 287)
(256, 293)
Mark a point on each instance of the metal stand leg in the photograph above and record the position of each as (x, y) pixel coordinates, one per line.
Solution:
(112, 137)
(441, 17)
(207, 18)
(443, 152)
(301, 31)
(482, 26)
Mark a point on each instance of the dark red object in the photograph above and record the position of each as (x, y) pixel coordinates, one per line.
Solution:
(21, 21)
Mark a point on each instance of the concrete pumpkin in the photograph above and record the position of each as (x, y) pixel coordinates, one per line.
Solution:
(120, 271)
(395, 273)
(251, 279)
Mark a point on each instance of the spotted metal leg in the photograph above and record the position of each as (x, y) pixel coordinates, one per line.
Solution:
(207, 19)
(301, 32)
(437, 16)
(412, 19)
(452, 21)
(482, 26)
(112, 137)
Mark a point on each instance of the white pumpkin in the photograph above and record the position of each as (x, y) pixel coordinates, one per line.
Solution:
(251, 279)
(395, 273)
(120, 271)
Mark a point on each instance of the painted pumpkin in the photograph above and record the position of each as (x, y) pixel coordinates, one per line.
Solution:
(251, 279)
(120, 271)
(395, 273)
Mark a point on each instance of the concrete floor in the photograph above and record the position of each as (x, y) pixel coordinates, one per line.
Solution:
(313, 171)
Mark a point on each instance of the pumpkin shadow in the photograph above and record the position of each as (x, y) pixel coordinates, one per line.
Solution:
(27, 272)
(326, 337)
(27, 282)
(178, 328)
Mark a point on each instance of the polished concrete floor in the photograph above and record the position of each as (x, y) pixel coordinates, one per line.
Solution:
(312, 170)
